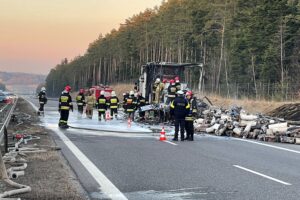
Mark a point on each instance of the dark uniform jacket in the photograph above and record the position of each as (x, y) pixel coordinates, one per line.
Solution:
(42, 97)
(178, 86)
(101, 103)
(113, 102)
(65, 101)
(180, 107)
(131, 104)
(172, 91)
(192, 111)
(141, 101)
(80, 99)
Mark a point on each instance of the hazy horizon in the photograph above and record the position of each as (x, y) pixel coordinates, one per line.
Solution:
(36, 35)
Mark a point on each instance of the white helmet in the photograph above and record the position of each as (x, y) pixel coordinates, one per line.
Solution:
(43, 89)
(157, 80)
(113, 93)
(102, 92)
(131, 92)
(180, 92)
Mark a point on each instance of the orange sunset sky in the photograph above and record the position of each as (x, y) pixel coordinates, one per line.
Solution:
(35, 35)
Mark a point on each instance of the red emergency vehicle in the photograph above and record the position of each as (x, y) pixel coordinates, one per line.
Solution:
(97, 90)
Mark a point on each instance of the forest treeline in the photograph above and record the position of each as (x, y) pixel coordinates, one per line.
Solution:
(247, 48)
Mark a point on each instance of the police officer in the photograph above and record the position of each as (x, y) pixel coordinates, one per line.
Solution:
(130, 105)
(179, 108)
(101, 105)
(189, 119)
(80, 100)
(113, 104)
(65, 104)
(42, 100)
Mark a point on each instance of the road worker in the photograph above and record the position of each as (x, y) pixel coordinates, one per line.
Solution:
(179, 108)
(113, 104)
(189, 119)
(130, 105)
(64, 107)
(80, 100)
(90, 103)
(101, 105)
(42, 100)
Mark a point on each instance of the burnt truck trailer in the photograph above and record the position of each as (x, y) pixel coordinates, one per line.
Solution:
(163, 70)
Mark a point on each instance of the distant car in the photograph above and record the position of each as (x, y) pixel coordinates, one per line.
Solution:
(6, 97)
(3, 98)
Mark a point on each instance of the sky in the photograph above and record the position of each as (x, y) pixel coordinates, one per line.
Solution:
(35, 35)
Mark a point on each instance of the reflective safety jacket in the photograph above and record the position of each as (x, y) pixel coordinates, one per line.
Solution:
(192, 111)
(80, 99)
(101, 103)
(141, 101)
(172, 91)
(178, 86)
(42, 97)
(65, 101)
(113, 102)
(180, 107)
(131, 104)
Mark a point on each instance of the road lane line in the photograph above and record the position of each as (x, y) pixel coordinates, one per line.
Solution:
(268, 145)
(107, 187)
(166, 141)
(260, 174)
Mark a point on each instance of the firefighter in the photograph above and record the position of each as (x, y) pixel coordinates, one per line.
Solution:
(171, 92)
(177, 83)
(64, 107)
(42, 100)
(141, 101)
(130, 105)
(189, 119)
(101, 105)
(158, 87)
(80, 100)
(113, 104)
(125, 96)
(90, 103)
(179, 108)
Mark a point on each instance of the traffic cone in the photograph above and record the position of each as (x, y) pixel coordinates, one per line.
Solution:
(129, 122)
(107, 115)
(162, 135)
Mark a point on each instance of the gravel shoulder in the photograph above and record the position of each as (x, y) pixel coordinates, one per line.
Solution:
(48, 174)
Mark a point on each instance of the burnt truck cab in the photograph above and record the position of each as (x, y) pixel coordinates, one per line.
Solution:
(163, 70)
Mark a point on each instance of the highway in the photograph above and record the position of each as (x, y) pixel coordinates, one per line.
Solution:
(136, 165)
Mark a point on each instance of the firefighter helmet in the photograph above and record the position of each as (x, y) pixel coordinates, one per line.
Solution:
(189, 93)
(68, 88)
(172, 81)
(102, 92)
(81, 91)
(176, 78)
(113, 93)
(43, 89)
(131, 93)
(180, 92)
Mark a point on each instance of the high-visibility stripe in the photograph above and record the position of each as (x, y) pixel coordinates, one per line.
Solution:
(188, 106)
(129, 110)
(171, 95)
(189, 119)
(172, 105)
(101, 110)
(114, 107)
(80, 104)
(65, 108)
(42, 102)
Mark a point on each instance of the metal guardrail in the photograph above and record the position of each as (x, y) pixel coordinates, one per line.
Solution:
(6, 116)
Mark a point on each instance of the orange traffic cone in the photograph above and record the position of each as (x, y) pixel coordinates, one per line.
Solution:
(162, 135)
(107, 115)
(129, 122)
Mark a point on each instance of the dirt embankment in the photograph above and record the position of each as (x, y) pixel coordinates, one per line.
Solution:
(47, 174)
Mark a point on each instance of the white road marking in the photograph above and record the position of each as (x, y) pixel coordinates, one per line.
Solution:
(166, 141)
(262, 175)
(268, 145)
(107, 187)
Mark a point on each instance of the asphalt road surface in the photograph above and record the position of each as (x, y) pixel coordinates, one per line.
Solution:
(131, 163)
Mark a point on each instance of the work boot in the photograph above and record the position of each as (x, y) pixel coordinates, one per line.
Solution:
(175, 139)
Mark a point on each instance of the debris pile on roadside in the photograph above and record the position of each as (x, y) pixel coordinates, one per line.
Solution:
(235, 122)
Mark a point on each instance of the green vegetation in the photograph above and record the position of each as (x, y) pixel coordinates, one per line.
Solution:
(248, 48)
